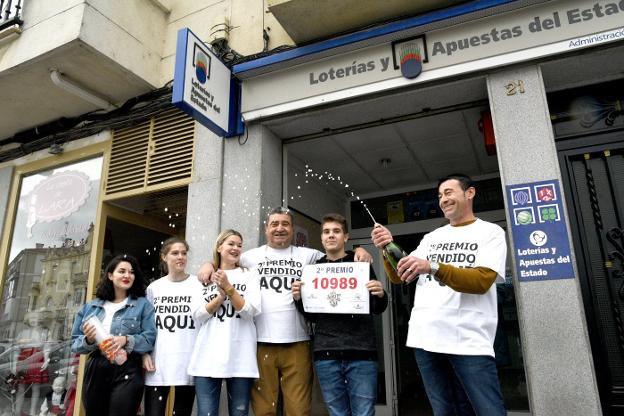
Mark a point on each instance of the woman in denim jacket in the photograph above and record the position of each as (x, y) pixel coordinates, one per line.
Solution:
(110, 388)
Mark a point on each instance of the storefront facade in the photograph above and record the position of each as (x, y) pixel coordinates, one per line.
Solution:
(326, 92)
(327, 114)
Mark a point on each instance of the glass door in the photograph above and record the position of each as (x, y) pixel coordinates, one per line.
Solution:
(126, 232)
(386, 378)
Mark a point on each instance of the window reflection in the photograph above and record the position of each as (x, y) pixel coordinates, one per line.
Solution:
(44, 286)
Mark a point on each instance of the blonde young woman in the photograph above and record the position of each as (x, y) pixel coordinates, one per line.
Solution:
(173, 298)
(226, 345)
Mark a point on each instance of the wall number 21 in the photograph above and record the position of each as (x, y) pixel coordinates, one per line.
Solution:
(515, 87)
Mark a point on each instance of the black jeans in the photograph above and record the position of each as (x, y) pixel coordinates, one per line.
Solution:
(111, 389)
(156, 400)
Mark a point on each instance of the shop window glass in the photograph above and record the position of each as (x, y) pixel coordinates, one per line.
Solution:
(589, 109)
(45, 283)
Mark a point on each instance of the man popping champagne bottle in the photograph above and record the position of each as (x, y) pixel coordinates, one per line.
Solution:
(454, 318)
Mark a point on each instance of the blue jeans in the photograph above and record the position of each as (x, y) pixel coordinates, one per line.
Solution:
(461, 384)
(349, 387)
(208, 391)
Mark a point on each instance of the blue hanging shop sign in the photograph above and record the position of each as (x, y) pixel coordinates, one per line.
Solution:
(204, 88)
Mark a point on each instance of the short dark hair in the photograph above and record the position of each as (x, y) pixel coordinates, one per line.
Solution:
(105, 289)
(464, 180)
(333, 217)
(280, 210)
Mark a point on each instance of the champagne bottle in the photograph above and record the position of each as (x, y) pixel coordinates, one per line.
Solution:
(392, 253)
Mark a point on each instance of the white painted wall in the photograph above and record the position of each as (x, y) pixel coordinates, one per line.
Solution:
(47, 26)
(246, 18)
(139, 35)
(116, 49)
(129, 32)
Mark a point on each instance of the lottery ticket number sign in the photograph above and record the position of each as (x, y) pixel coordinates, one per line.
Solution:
(336, 288)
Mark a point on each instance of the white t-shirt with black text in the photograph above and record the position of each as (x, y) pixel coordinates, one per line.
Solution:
(226, 345)
(176, 329)
(279, 322)
(450, 322)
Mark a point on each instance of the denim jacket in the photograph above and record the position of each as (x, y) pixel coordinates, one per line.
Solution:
(135, 320)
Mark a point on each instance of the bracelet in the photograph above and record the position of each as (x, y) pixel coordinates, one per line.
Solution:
(230, 292)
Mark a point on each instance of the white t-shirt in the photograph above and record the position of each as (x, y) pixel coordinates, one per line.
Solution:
(109, 312)
(451, 322)
(279, 322)
(176, 329)
(226, 344)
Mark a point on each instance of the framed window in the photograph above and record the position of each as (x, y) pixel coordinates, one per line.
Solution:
(54, 212)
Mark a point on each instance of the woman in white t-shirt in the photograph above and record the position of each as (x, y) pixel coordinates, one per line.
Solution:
(226, 345)
(173, 297)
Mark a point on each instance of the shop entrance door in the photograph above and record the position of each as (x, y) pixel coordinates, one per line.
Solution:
(592, 178)
(139, 224)
(126, 232)
(386, 374)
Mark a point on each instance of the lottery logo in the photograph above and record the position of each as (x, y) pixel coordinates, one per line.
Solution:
(538, 238)
(411, 60)
(521, 196)
(548, 213)
(545, 193)
(201, 62)
(333, 298)
(524, 216)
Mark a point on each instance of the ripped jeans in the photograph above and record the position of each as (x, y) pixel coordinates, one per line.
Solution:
(208, 393)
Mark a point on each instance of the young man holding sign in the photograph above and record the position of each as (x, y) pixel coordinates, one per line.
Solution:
(344, 346)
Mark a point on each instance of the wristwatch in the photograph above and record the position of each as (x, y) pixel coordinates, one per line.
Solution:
(435, 266)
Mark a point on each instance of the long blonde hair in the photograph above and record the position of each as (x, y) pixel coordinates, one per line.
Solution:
(216, 256)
